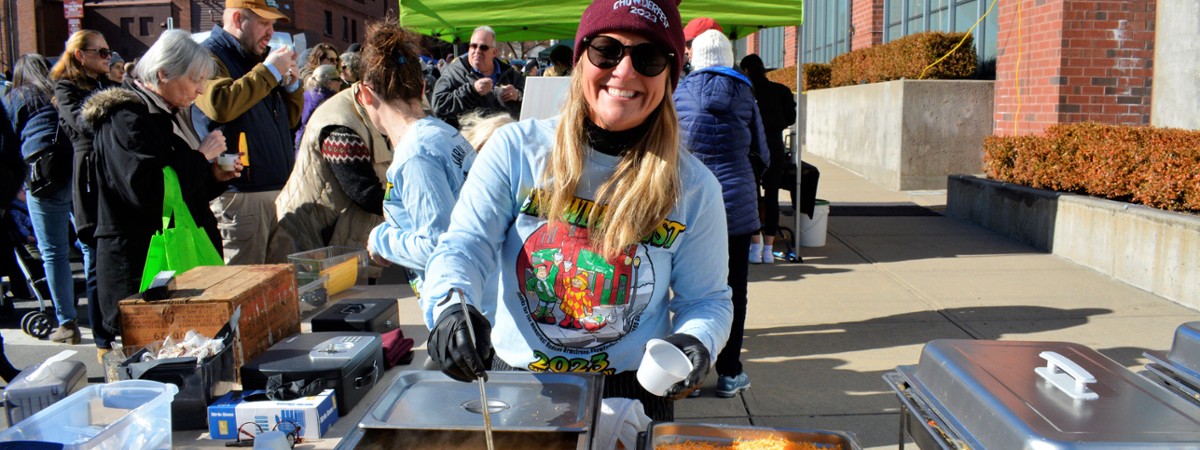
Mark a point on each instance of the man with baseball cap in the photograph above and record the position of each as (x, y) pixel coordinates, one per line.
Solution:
(255, 100)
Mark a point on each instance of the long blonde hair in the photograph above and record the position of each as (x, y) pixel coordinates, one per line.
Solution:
(639, 194)
(68, 67)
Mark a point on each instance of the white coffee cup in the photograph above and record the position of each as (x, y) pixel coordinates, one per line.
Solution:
(662, 366)
(227, 161)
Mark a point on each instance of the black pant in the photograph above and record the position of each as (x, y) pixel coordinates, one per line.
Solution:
(119, 264)
(769, 202)
(625, 385)
(729, 361)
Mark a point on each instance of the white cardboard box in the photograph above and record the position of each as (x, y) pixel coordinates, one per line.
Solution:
(314, 414)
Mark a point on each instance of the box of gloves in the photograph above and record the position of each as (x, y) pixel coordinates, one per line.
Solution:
(241, 413)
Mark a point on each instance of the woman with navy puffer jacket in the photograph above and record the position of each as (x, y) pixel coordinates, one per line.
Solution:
(721, 126)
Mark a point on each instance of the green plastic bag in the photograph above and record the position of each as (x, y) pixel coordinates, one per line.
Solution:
(178, 248)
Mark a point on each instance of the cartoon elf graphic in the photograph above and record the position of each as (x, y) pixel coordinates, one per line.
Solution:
(575, 302)
(541, 286)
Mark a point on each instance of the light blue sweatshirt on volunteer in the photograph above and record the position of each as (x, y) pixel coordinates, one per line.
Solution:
(427, 172)
(560, 305)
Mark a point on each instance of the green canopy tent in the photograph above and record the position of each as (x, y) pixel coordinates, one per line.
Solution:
(528, 20)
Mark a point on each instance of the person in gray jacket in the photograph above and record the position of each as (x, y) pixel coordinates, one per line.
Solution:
(478, 82)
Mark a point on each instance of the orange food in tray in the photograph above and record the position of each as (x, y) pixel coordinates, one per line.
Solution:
(768, 443)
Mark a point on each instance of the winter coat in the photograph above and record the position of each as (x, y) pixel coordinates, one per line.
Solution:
(135, 137)
(312, 99)
(777, 105)
(720, 124)
(454, 94)
(34, 120)
(69, 96)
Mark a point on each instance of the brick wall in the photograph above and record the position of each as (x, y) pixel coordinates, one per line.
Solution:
(866, 16)
(311, 19)
(789, 46)
(1079, 61)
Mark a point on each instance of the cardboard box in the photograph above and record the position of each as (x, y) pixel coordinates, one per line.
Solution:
(314, 414)
(205, 298)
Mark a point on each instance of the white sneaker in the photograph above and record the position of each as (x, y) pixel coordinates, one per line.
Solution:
(756, 253)
(768, 254)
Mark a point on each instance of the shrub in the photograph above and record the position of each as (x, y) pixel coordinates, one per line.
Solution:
(906, 58)
(1157, 167)
(816, 76)
(785, 76)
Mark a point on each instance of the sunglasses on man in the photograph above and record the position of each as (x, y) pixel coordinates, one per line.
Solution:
(480, 47)
(103, 52)
(648, 59)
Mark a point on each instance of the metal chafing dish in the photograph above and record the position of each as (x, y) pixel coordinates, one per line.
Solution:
(661, 433)
(1001, 395)
(1179, 369)
(428, 410)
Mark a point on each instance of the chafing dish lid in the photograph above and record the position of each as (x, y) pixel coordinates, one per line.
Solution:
(1184, 357)
(990, 393)
(522, 401)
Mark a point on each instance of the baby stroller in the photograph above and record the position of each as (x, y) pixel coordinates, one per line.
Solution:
(41, 323)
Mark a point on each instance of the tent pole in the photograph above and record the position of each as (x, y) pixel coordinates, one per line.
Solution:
(799, 147)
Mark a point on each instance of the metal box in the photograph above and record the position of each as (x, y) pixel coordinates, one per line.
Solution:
(661, 433)
(1004, 395)
(1179, 369)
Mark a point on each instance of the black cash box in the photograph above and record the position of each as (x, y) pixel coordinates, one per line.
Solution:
(350, 363)
(378, 315)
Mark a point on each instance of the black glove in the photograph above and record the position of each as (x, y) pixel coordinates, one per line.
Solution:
(450, 344)
(696, 352)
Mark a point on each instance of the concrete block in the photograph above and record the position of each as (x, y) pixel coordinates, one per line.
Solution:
(903, 135)
(1176, 95)
(1022, 213)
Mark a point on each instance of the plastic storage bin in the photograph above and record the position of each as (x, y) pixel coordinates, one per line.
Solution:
(331, 261)
(199, 384)
(120, 415)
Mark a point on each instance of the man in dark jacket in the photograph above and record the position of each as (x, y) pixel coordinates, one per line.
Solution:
(478, 82)
(256, 100)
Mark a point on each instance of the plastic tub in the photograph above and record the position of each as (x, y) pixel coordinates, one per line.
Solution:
(812, 231)
(120, 415)
(329, 261)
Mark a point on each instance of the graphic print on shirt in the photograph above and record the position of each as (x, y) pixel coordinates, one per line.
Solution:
(575, 298)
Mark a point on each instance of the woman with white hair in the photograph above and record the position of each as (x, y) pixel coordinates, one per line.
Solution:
(140, 129)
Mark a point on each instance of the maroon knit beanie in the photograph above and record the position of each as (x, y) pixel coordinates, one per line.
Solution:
(656, 20)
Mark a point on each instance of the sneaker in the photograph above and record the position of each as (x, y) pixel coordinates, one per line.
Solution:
(768, 254)
(730, 386)
(67, 333)
(756, 253)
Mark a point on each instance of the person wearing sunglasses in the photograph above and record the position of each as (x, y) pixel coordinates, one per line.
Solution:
(603, 231)
(478, 82)
(78, 74)
(720, 123)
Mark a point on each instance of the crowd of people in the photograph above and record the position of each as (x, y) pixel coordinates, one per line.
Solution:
(565, 243)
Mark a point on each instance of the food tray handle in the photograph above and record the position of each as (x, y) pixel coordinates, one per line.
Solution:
(1067, 376)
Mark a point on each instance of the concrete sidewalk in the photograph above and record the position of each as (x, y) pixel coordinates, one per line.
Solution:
(820, 335)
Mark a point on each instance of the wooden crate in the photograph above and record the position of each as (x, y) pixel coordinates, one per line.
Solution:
(205, 298)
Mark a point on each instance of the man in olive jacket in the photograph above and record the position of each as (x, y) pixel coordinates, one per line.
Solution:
(478, 82)
(255, 99)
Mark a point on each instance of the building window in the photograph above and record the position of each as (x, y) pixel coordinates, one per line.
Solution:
(345, 28)
(826, 31)
(770, 47)
(905, 17)
(126, 26)
(329, 23)
(144, 24)
(354, 30)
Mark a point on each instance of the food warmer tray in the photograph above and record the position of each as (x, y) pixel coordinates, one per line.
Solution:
(661, 433)
(982, 394)
(1179, 368)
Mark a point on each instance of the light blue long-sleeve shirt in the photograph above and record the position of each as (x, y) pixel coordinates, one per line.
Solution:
(560, 306)
(427, 173)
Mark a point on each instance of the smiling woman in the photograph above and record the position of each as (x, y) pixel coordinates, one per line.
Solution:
(569, 214)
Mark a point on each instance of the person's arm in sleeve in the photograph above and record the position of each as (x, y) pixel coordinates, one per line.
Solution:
(225, 99)
(69, 99)
(349, 159)
(452, 97)
(701, 304)
(428, 198)
(135, 152)
(470, 249)
(758, 137)
(789, 105)
(295, 104)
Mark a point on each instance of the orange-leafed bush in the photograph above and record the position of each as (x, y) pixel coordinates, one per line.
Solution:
(906, 57)
(816, 76)
(785, 76)
(1157, 167)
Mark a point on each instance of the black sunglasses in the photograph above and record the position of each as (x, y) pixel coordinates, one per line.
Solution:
(648, 59)
(481, 47)
(103, 52)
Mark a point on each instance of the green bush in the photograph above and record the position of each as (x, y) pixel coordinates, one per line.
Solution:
(1157, 167)
(906, 58)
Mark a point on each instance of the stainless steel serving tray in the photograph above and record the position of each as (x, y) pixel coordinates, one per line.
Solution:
(986, 395)
(661, 433)
(534, 402)
(1180, 367)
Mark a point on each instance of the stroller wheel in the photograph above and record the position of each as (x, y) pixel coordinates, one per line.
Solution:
(25, 320)
(39, 325)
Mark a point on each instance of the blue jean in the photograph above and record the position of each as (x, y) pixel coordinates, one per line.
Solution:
(51, 217)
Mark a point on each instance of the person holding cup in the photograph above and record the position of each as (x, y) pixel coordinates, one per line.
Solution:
(602, 232)
(141, 128)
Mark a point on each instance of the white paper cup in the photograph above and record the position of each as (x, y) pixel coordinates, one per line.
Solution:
(663, 365)
(227, 161)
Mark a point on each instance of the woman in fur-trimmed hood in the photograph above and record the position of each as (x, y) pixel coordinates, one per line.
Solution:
(140, 128)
